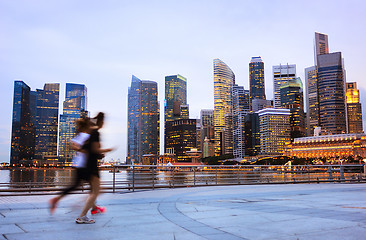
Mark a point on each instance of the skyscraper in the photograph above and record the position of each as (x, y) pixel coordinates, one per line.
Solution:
(252, 134)
(181, 136)
(281, 74)
(274, 125)
(228, 135)
(47, 122)
(312, 101)
(240, 110)
(354, 109)
(175, 106)
(74, 107)
(23, 129)
(143, 120)
(256, 80)
(207, 127)
(331, 92)
(224, 79)
(175, 97)
(292, 98)
(320, 46)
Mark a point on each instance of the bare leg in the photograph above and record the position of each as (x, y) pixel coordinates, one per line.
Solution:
(90, 202)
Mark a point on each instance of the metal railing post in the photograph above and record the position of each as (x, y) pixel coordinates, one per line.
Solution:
(194, 177)
(330, 176)
(341, 173)
(216, 175)
(114, 179)
(153, 177)
(133, 178)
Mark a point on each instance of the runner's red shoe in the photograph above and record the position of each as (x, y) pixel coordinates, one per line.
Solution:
(98, 210)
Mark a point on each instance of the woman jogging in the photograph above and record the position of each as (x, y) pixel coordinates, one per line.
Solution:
(79, 161)
(94, 152)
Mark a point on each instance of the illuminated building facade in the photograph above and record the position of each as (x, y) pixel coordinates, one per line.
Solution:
(312, 101)
(256, 80)
(240, 109)
(281, 74)
(354, 109)
(274, 127)
(23, 127)
(207, 131)
(181, 136)
(47, 121)
(224, 79)
(74, 107)
(175, 98)
(330, 146)
(175, 106)
(228, 134)
(331, 92)
(252, 134)
(320, 46)
(292, 98)
(143, 120)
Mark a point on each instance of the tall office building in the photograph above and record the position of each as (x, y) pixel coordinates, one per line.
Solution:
(228, 135)
(74, 107)
(181, 135)
(175, 105)
(252, 134)
(240, 109)
(256, 80)
(312, 101)
(292, 98)
(207, 128)
(175, 97)
(143, 120)
(354, 109)
(23, 129)
(274, 125)
(47, 122)
(320, 46)
(224, 79)
(331, 92)
(281, 74)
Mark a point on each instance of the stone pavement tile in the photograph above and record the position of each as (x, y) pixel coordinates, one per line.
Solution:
(302, 226)
(252, 234)
(351, 233)
(235, 221)
(135, 220)
(10, 228)
(223, 236)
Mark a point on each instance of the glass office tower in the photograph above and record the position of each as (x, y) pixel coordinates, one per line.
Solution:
(281, 74)
(354, 109)
(256, 79)
(331, 92)
(23, 129)
(74, 107)
(292, 98)
(47, 121)
(224, 79)
(143, 120)
(240, 110)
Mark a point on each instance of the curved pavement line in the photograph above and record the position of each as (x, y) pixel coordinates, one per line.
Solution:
(167, 208)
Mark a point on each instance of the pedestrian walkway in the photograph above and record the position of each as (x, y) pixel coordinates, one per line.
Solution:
(300, 211)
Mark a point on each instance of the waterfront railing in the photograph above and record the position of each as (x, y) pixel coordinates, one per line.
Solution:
(129, 178)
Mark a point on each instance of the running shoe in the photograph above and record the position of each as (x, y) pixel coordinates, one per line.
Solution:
(84, 220)
(98, 210)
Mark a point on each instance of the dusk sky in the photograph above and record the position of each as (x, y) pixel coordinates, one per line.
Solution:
(103, 43)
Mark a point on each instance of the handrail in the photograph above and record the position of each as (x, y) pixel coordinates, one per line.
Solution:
(155, 176)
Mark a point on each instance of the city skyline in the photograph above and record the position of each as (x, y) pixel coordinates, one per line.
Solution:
(46, 45)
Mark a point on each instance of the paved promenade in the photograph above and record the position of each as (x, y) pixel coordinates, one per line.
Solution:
(301, 211)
